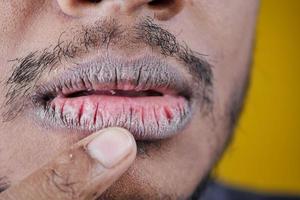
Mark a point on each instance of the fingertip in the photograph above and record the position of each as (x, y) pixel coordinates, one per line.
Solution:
(111, 146)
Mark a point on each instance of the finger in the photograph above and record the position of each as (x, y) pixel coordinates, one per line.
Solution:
(83, 172)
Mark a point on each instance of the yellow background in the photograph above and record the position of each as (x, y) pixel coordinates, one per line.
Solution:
(265, 155)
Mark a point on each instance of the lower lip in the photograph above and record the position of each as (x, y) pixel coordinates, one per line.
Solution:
(148, 118)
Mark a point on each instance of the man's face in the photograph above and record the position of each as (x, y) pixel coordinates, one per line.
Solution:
(173, 72)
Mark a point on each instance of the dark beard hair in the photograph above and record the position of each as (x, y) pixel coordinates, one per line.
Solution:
(236, 107)
(4, 183)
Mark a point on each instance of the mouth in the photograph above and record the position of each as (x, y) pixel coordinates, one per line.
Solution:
(146, 96)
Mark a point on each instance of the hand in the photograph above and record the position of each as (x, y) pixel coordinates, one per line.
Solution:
(85, 171)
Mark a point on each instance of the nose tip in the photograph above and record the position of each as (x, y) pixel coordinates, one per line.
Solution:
(84, 8)
(79, 8)
(131, 5)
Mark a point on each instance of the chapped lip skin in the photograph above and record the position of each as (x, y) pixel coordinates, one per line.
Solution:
(147, 96)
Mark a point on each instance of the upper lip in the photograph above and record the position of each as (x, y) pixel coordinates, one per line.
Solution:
(147, 75)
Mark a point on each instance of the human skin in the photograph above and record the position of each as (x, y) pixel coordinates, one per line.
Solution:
(221, 31)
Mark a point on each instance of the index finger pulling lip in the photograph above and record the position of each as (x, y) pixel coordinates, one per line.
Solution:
(146, 96)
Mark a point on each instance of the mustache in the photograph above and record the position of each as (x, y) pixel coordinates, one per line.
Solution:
(103, 34)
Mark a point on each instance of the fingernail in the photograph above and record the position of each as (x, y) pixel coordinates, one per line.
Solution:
(111, 146)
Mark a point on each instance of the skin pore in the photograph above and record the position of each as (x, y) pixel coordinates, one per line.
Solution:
(208, 41)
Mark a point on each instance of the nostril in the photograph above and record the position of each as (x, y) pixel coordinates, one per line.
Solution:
(88, 1)
(160, 4)
(166, 9)
(95, 1)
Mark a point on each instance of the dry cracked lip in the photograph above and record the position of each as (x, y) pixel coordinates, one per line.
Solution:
(147, 96)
